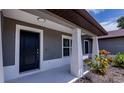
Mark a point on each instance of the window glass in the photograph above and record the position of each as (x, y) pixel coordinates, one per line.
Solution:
(66, 52)
(86, 47)
(67, 47)
(70, 43)
(66, 42)
(70, 51)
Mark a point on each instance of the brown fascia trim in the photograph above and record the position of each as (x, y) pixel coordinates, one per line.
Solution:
(110, 37)
(90, 19)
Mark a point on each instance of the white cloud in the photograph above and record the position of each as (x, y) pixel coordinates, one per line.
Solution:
(109, 25)
(95, 11)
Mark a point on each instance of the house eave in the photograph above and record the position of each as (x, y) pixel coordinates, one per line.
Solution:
(81, 18)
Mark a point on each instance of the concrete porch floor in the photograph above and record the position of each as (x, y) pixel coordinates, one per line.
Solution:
(56, 75)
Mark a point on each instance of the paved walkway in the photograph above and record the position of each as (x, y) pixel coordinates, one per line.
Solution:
(56, 75)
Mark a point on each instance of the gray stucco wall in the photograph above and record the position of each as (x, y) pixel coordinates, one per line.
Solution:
(8, 41)
(52, 45)
(114, 45)
(52, 41)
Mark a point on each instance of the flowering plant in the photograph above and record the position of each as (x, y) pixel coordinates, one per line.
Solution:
(104, 52)
(101, 63)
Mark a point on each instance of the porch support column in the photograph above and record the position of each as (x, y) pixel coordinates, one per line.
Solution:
(1, 57)
(77, 60)
(95, 48)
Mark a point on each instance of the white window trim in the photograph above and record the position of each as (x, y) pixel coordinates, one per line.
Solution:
(65, 37)
(17, 45)
(1, 54)
(88, 47)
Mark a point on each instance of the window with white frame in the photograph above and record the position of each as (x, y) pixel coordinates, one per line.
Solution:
(67, 46)
(86, 46)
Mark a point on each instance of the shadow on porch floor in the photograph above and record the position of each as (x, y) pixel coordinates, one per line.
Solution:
(56, 75)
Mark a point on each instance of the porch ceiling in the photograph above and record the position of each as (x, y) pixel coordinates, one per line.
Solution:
(45, 14)
(81, 18)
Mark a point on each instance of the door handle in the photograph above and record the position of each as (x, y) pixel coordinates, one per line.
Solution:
(37, 51)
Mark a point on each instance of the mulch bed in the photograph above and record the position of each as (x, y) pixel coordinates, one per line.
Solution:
(113, 75)
(83, 80)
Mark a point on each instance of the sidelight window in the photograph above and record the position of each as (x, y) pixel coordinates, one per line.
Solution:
(86, 46)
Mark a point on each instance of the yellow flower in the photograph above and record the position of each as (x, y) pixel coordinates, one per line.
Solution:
(106, 59)
(97, 59)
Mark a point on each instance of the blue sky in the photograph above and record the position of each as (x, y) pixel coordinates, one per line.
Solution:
(107, 17)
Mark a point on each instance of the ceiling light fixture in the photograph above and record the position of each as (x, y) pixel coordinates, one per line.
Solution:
(41, 19)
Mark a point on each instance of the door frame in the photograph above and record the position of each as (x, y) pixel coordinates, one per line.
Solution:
(17, 44)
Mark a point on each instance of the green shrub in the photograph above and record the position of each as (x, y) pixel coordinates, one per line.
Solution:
(118, 60)
(88, 61)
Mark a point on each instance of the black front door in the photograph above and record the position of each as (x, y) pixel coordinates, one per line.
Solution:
(29, 50)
